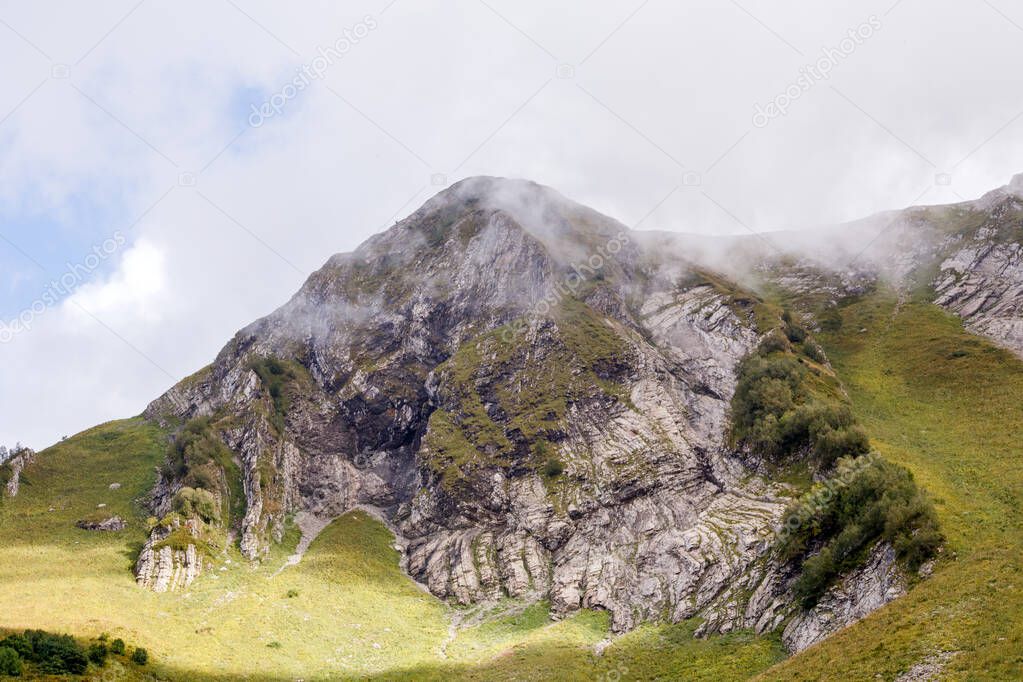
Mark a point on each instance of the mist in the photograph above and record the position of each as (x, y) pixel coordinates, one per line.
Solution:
(128, 118)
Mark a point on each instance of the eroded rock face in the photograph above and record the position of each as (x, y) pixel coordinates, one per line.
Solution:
(162, 567)
(15, 466)
(982, 282)
(448, 364)
(867, 589)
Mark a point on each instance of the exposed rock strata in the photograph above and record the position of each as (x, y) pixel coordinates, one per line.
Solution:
(15, 465)
(982, 282)
(163, 567)
(867, 589)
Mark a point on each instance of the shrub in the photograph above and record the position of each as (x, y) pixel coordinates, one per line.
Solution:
(775, 414)
(813, 351)
(98, 653)
(196, 502)
(56, 654)
(767, 389)
(117, 647)
(140, 656)
(795, 333)
(831, 444)
(10, 662)
(870, 499)
(21, 645)
(292, 594)
(774, 342)
(276, 375)
(553, 467)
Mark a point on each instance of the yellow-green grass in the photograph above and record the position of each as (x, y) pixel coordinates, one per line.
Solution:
(354, 611)
(345, 612)
(534, 650)
(948, 406)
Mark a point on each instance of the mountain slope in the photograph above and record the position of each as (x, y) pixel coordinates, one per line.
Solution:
(541, 405)
(947, 405)
(576, 454)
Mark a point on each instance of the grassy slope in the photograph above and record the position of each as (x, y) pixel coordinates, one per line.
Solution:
(355, 615)
(949, 406)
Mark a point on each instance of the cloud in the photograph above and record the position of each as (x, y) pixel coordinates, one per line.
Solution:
(643, 111)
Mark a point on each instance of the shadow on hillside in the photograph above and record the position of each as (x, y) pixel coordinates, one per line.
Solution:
(720, 659)
(536, 663)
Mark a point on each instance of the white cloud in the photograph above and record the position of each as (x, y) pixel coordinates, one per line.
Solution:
(439, 87)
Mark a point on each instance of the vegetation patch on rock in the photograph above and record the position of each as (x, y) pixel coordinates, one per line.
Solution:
(784, 409)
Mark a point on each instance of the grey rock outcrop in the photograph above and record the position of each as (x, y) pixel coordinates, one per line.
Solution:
(982, 282)
(162, 566)
(15, 465)
(109, 525)
(867, 589)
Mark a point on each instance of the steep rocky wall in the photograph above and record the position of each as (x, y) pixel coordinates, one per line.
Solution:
(14, 466)
(982, 282)
(865, 590)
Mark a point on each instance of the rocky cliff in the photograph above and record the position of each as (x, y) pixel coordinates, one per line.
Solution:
(536, 400)
(10, 470)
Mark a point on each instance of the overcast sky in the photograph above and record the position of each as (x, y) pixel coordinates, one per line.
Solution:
(170, 171)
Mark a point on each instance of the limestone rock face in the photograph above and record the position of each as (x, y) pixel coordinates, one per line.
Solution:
(982, 282)
(162, 567)
(15, 465)
(876, 583)
(534, 400)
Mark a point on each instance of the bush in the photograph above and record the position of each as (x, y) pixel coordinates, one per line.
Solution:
(813, 351)
(774, 342)
(21, 645)
(869, 499)
(98, 653)
(10, 662)
(117, 647)
(553, 468)
(55, 654)
(775, 414)
(795, 333)
(140, 656)
(197, 503)
(292, 594)
(767, 389)
(276, 375)
(831, 444)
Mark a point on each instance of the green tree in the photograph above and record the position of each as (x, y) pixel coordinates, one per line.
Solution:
(10, 662)
(98, 653)
(140, 656)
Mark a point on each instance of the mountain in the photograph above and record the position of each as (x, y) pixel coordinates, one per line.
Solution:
(533, 401)
(547, 408)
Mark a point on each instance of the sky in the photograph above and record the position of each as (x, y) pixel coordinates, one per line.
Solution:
(170, 172)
